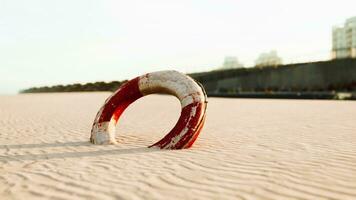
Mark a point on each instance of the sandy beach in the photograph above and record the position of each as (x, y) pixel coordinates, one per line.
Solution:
(248, 149)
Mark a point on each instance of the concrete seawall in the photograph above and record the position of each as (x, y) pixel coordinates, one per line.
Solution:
(335, 75)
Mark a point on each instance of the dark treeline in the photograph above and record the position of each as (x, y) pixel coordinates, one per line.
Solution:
(88, 87)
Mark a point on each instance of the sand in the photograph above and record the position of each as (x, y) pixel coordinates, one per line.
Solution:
(248, 149)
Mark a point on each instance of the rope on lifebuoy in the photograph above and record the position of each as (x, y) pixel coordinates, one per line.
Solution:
(190, 93)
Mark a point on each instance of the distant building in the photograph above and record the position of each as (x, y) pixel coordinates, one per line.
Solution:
(231, 62)
(268, 59)
(344, 40)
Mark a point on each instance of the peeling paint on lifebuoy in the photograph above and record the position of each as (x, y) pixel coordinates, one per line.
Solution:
(191, 95)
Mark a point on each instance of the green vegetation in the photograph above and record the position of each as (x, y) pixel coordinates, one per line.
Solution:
(88, 87)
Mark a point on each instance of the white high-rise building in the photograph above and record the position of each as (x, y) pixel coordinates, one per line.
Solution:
(231, 62)
(344, 40)
(268, 59)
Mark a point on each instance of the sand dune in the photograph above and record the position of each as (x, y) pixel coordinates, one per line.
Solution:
(249, 149)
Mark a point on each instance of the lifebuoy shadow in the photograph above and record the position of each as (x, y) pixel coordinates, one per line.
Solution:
(74, 154)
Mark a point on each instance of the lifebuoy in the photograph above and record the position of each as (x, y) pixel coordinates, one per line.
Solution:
(192, 97)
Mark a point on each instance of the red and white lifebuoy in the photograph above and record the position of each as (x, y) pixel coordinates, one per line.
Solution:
(192, 97)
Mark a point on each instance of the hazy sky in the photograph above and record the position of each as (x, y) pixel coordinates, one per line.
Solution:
(46, 42)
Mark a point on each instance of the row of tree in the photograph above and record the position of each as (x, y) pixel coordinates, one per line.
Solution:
(97, 86)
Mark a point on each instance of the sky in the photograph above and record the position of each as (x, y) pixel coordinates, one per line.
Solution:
(49, 42)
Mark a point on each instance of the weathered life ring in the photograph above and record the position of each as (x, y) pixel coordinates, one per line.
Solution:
(192, 97)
